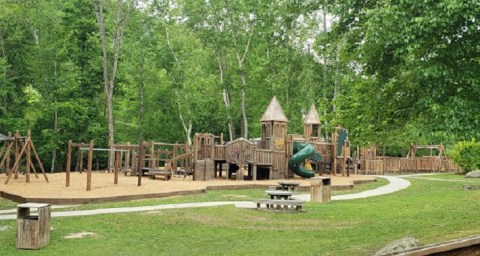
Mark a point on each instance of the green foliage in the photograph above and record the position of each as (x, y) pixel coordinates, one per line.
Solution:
(404, 71)
(467, 155)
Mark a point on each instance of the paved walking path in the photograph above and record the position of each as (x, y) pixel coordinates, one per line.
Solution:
(395, 184)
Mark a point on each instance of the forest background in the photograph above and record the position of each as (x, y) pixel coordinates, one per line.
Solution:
(393, 72)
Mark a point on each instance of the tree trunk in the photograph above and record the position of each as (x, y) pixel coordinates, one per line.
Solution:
(241, 60)
(226, 95)
(244, 111)
(109, 73)
(336, 86)
(186, 127)
(4, 56)
(325, 73)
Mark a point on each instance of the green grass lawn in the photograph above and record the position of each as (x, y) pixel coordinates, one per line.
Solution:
(6, 204)
(431, 211)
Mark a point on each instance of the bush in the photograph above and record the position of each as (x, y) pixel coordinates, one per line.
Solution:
(467, 155)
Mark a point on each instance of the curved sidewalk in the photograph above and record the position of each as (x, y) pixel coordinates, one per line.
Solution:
(395, 185)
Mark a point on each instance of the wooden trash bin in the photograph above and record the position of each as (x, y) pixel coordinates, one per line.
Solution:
(320, 189)
(33, 230)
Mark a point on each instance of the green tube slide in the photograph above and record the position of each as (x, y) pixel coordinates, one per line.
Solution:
(301, 151)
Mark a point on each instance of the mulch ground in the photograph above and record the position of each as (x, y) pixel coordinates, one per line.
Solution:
(103, 188)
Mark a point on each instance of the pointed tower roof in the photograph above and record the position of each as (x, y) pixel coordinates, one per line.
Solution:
(312, 116)
(274, 112)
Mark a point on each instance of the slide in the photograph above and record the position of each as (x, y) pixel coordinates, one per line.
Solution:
(301, 151)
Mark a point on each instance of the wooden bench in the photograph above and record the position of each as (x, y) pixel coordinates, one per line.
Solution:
(166, 175)
(152, 173)
(275, 204)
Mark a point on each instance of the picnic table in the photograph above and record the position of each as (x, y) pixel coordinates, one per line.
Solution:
(289, 185)
(279, 194)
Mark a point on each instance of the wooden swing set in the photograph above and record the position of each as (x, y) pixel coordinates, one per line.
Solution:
(21, 148)
(118, 151)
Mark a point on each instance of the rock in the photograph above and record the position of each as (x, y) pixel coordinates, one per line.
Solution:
(398, 246)
(474, 174)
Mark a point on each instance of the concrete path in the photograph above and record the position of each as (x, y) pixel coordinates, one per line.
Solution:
(395, 185)
(424, 176)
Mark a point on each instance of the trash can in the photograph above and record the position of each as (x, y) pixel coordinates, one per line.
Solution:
(320, 188)
(33, 230)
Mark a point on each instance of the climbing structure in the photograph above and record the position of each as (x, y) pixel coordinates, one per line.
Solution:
(277, 155)
(21, 149)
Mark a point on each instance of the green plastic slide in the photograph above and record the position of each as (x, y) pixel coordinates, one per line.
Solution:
(301, 151)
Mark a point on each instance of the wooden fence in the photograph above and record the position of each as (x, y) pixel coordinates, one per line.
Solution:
(394, 165)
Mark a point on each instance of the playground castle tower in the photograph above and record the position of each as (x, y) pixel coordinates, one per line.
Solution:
(274, 137)
(311, 125)
(274, 127)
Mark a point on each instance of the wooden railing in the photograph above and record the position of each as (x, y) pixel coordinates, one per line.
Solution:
(219, 153)
(264, 156)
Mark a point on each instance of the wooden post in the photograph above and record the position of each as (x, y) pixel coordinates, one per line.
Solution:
(16, 164)
(6, 159)
(334, 167)
(8, 163)
(89, 166)
(344, 158)
(212, 148)
(28, 160)
(127, 157)
(69, 162)
(17, 148)
(80, 160)
(152, 156)
(195, 146)
(254, 174)
(118, 162)
(38, 160)
(134, 162)
(175, 154)
(140, 163)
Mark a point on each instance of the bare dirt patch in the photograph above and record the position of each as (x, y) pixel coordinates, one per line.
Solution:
(81, 235)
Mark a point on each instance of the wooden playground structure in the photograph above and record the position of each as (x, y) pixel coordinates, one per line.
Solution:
(436, 161)
(275, 155)
(17, 151)
(266, 158)
(147, 159)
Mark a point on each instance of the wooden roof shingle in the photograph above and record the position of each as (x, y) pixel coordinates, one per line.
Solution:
(274, 112)
(312, 116)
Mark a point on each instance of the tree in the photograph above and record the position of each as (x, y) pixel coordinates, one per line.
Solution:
(415, 61)
(110, 65)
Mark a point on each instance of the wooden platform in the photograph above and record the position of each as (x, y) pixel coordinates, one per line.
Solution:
(104, 190)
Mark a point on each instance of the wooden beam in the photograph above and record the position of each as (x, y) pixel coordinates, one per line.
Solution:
(140, 163)
(38, 160)
(69, 161)
(89, 166)
(118, 161)
(7, 155)
(16, 164)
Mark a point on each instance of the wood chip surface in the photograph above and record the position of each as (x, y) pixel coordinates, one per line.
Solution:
(103, 186)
